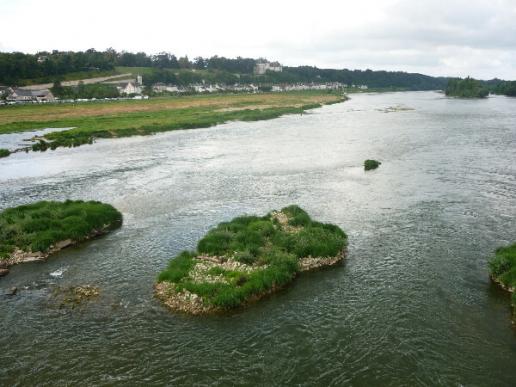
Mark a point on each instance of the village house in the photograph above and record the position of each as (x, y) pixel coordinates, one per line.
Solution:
(23, 95)
(131, 87)
(262, 67)
(162, 88)
(128, 88)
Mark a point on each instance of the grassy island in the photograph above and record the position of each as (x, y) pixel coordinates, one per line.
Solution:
(4, 152)
(503, 269)
(466, 88)
(110, 119)
(32, 232)
(371, 164)
(243, 260)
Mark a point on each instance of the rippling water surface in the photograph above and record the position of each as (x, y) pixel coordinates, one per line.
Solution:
(412, 304)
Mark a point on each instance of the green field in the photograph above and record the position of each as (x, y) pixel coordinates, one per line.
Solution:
(126, 118)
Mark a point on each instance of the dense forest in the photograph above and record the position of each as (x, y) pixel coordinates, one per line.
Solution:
(19, 68)
(505, 88)
(466, 88)
(373, 79)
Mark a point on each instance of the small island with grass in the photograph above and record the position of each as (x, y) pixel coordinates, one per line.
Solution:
(32, 232)
(371, 164)
(241, 261)
(466, 88)
(503, 270)
(4, 152)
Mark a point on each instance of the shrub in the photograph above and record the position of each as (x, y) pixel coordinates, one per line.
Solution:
(371, 164)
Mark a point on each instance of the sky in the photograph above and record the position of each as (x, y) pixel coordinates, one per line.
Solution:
(438, 37)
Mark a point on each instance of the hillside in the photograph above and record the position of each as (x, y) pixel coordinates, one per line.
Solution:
(19, 69)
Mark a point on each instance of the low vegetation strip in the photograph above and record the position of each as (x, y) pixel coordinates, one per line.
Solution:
(32, 232)
(28, 117)
(247, 258)
(503, 269)
(149, 117)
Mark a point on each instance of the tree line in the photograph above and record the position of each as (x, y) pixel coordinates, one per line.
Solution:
(505, 88)
(466, 88)
(17, 66)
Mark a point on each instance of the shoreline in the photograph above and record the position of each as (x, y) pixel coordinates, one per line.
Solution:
(19, 256)
(155, 116)
(509, 290)
(192, 304)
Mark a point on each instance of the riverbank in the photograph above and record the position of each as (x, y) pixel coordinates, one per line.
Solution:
(128, 118)
(242, 261)
(33, 232)
(503, 271)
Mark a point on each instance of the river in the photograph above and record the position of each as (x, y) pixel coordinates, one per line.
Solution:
(411, 305)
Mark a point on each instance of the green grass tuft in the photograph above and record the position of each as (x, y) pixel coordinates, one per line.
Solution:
(178, 268)
(503, 268)
(4, 152)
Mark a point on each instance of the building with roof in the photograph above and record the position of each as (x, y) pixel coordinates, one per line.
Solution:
(262, 67)
(24, 95)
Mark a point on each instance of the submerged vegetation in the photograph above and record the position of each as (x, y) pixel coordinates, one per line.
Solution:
(128, 118)
(35, 230)
(466, 88)
(503, 269)
(247, 258)
(371, 164)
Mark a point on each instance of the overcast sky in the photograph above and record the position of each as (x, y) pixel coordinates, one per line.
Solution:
(438, 37)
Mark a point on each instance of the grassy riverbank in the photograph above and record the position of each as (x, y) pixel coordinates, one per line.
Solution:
(127, 118)
(247, 258)
(35, 230)
(503, 270)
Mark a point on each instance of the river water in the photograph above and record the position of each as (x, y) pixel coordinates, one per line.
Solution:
(411, 305)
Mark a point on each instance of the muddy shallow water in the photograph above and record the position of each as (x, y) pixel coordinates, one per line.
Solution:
(411, 305)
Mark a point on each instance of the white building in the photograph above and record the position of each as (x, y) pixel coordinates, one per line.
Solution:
(262, 67)
(131, 87)
(162, 88)
(23, 95)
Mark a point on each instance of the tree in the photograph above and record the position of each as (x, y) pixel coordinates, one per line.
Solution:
(184, 63)
(199, 63)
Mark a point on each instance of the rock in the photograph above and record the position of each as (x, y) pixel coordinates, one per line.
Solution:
(4, 272)
(12, 291)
